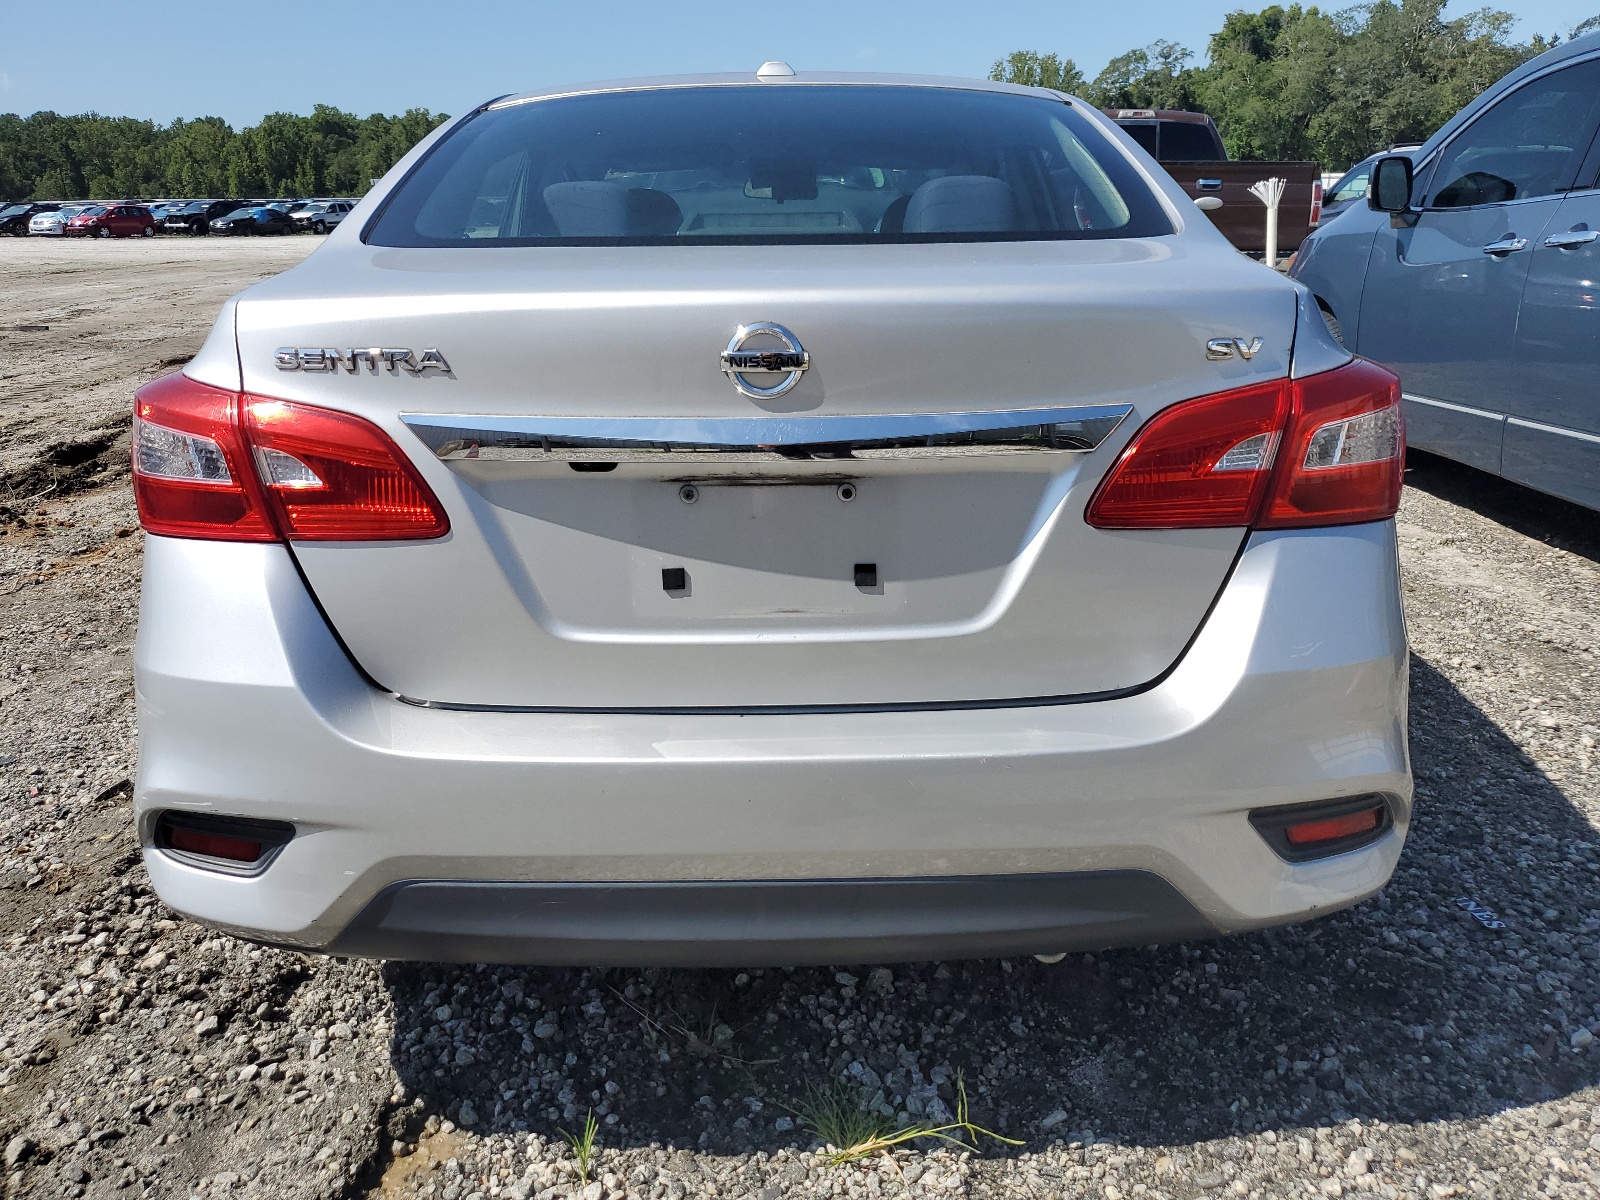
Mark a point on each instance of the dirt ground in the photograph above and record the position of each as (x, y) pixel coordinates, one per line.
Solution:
(1438, 1040)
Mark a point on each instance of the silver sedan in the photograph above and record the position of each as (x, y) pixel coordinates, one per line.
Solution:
(770, 518)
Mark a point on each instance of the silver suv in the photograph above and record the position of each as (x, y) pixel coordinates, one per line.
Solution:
(770, 519)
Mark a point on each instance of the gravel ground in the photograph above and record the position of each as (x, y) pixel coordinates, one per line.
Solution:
(1438, 1040)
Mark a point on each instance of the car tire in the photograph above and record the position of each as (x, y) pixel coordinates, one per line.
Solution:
(103, 232)
(1332, 322)
(318, 227)
(199, 229)
(148, 231)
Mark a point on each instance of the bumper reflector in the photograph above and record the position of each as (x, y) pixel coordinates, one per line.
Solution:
(1302, 832)
(215, 845)
(235, 845)
(1332, 828)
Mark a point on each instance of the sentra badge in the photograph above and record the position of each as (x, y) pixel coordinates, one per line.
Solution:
(391, 358)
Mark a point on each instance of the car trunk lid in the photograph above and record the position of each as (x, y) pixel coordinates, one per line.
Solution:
(902, 526)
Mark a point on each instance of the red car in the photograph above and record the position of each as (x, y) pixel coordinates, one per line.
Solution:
(112, 220)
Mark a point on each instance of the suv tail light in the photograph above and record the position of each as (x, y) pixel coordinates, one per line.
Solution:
(1325, 450)
(210, 463)
(1316, 203)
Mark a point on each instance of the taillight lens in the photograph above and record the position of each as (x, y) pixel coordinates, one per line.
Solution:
(191, 468)
(337, 477)
(1325, 450)
(1343, 460)
(1316, 204)
(1198, 464)
(210, 463)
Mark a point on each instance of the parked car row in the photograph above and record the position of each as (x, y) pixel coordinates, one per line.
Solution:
(193, 217)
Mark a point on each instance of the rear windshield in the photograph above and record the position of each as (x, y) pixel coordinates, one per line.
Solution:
(1187, 141)
(771, 164)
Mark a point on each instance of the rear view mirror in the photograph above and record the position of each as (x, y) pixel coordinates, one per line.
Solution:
(1390, 190)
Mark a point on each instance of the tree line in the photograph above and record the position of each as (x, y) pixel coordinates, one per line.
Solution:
(1299, 83)
(92, 157)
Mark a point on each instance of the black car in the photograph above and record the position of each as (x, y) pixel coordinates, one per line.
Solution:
(14, 217)
(196, 218)
(254, 220)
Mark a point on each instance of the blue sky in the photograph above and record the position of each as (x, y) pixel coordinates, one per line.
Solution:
(240, 60)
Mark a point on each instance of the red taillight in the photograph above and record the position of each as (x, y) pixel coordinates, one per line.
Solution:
(210, 463)
(1343, 460)
(192, 474)
(1204, 462)
(1329, 829)
(337, 477)
(1316, 204)
(1325, 450)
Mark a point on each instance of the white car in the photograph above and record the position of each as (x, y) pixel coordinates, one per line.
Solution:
(53, 224)
(324, 215)
(770, 518)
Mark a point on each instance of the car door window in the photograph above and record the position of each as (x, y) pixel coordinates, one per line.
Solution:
(1353, 186)
(1527, 144)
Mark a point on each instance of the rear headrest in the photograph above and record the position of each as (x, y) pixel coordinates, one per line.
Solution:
(601, 208)
(588, 208)
(961, 204)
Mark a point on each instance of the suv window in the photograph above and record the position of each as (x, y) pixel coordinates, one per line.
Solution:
(1526, 144)
(759, 164)
(1354, 185)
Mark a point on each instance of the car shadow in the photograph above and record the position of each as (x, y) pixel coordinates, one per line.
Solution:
(1405, 1008)
(1558, 523)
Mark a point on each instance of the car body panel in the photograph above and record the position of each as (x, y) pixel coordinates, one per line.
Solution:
(978, 557)
(1294, 691)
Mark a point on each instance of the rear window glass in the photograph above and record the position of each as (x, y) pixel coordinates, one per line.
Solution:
(1182, 141)
(764, 164)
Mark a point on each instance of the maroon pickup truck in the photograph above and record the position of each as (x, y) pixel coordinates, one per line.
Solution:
(1188, 146)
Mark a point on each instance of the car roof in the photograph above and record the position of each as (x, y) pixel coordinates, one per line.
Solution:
(749, 79)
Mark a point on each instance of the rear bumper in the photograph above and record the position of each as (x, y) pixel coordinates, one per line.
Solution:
(772, 837)
(770, 922)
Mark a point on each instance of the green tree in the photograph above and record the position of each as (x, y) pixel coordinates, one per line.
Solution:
(51, 157)
(1032, 69)
(1300, 83)
(196, 156)
(1155, 77)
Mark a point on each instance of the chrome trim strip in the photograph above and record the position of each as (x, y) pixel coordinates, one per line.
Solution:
(1559, 430)
(1460, 408)
(1074, 429)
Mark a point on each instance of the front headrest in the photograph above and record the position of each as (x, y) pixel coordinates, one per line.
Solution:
(961, 204)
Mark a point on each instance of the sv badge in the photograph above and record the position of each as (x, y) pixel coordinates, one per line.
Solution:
(1218, 349)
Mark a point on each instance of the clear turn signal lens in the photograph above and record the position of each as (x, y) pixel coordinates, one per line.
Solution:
(1252, 454)
(285, 470)
(162, 453)
(1373, 437)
